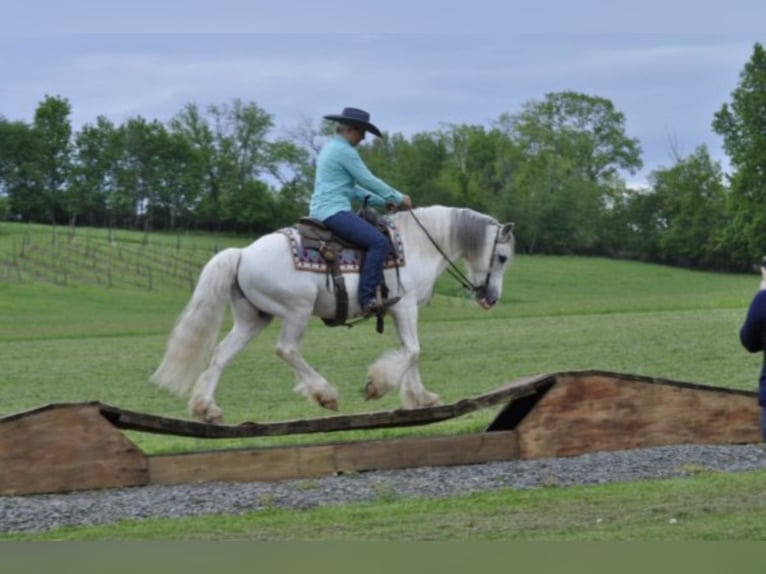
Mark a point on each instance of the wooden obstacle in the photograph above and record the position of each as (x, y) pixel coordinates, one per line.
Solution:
(65, 447)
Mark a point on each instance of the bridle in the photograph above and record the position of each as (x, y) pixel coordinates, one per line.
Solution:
(480, 291)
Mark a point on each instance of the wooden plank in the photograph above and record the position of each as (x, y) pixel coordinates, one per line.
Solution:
(242, 465)
(427, 451)
(145, 422)
(588, 412)
(70, 447)
(278, 463)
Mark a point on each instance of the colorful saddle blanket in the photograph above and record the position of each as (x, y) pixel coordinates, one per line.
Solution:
(349, 258)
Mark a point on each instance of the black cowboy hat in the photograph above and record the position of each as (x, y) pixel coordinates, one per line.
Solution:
(357, 118)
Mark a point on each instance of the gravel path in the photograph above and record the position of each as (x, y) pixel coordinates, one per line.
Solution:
(36, 513)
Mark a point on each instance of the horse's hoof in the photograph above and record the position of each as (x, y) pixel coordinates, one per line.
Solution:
(330, 405)
(213, 415)
(431, 400)
(214, 419)
(371, 392)
(206, 412)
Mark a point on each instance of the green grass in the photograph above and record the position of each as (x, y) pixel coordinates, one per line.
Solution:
(83, 341)
(710, 506)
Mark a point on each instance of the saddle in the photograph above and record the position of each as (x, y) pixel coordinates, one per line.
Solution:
(314, 236)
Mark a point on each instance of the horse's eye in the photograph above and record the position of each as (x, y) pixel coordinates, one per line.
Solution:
(502, 259)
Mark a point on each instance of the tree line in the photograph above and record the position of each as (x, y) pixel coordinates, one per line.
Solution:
(555, 167)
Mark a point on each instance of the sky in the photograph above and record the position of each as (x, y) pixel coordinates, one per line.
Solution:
(667, 66)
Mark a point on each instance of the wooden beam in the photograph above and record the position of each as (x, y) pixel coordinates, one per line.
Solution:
(146, 422)
(277, 463)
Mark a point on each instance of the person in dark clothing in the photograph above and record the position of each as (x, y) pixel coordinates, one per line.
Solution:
(752, 334)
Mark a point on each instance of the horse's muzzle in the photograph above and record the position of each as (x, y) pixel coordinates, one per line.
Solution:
(486, 298)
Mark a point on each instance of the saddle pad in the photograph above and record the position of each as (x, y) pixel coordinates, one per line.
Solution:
(309, 259)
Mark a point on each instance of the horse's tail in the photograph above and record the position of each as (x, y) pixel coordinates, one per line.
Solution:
(196, 331)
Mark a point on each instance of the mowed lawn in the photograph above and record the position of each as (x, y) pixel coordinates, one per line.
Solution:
(82, 342)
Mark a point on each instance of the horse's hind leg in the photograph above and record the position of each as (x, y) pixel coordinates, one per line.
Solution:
(248, 322)
(308, 382)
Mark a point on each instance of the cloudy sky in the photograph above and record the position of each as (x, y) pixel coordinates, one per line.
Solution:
(666, 66)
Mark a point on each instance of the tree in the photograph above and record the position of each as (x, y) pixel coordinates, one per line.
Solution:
(195, 128)
(633, 225)
(413, 167)
(20, 177)
(470, 169)
(569, 150)
(54, 130)
(294, 170)
(586, 129)
(235, 153)
(420, 163)
(243, 154)
(691, 210)
(742, 124)
(93, 175)
(177, 180)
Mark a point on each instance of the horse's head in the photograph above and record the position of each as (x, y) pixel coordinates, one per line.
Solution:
(486, 268)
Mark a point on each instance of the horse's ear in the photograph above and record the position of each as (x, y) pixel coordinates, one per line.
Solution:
(506, 232)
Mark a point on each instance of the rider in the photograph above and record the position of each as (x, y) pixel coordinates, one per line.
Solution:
(341, 176)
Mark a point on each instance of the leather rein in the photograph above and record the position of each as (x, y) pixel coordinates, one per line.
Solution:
(455, 271)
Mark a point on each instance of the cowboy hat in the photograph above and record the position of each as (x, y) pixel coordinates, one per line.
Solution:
(355, 117)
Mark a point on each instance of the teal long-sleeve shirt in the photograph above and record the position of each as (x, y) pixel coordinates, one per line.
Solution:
(342, 177)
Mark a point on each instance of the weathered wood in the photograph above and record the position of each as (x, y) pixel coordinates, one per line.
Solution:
(77, 446)
(145, 422)
(592, 411)
(68, 447)
(277, 463)
(427, 451)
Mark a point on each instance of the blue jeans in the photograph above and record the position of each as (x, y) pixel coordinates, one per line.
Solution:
(351, 227)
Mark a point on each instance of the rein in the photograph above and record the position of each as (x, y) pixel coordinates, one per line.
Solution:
(454, 270)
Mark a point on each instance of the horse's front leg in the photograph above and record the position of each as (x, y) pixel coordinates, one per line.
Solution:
(401, 368)
(308, 382)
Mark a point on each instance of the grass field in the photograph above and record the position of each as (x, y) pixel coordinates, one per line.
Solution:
(711, 506)
(79, 339)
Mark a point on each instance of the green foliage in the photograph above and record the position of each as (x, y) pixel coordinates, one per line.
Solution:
(587, 130)
(412, 166)
(742, 124)
(54, 130)
(20, 176)
(555, 167)
(691, 211)
(232, 152)
(92, 188)
(571, 147)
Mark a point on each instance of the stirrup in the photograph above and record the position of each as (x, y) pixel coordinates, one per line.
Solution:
(379, 307)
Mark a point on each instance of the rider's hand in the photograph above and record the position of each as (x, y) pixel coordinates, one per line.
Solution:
(406, 202)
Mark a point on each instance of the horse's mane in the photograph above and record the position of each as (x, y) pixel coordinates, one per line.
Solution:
(460, 226)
